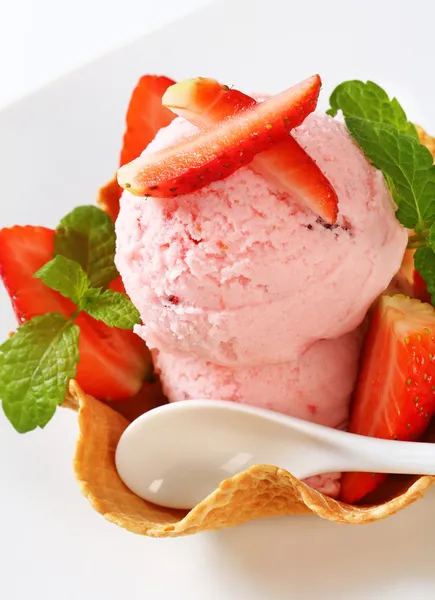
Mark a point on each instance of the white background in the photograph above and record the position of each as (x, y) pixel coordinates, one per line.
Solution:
(41, 40)
(56, 147)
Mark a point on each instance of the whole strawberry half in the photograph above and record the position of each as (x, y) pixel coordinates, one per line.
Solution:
(113, 362)
(145, 117)
(395, 393)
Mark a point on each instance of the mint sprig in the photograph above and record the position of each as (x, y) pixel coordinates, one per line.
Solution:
(68, 278)
(87, 236)
(370, 102)
(65, 276)
(114, 308)
(408, 166)
(390, 142)
(38, 361)
(36, 364)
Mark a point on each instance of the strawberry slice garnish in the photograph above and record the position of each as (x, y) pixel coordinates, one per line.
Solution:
(395, 393)
(24, 250)
(113, 362)
(214, 154)
(145, 117)
(205, 102)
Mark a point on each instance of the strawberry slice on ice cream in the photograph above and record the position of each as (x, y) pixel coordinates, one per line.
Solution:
(218, 152)
(395, 393)
(205, 102)
(113, 362)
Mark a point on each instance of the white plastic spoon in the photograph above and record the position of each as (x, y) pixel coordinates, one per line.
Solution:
(175, 455)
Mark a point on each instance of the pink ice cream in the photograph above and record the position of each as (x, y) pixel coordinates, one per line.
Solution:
(237, 283)
(327, 370)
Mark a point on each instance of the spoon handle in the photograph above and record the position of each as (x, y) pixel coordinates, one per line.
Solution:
(351, 452)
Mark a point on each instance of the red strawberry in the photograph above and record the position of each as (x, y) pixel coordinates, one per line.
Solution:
(205, 102)
(395, 393)
(117, 285)
(113, 363)
(145, 115)
(24, 250)
(221, 150)
(420, 288)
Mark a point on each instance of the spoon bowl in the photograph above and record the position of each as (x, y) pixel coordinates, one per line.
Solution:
(177, 454)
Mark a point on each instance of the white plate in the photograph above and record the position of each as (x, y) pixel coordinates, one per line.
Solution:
(56, 148)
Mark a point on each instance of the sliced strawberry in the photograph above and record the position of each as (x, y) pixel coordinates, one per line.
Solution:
(113, 363)
(205, 102)
(117, 285)
(23, 251)
(395, 393)
(216, 153)
(145, 116)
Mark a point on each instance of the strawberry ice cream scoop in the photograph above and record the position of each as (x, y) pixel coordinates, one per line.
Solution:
(239, 275)
(316, 388)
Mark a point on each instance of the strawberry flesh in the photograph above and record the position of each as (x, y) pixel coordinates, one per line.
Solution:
(23, 251)
(205, 102)
(395, 394)
(420, 288)
(145, 116)
(214, 154)
(113, 363)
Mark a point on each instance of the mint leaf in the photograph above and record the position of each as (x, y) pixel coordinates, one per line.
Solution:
(407, 165)
(36, 364)
(90, 295)
(113, 308)
(87, 235)
(370, 102)
(424, 262)
(65, 276)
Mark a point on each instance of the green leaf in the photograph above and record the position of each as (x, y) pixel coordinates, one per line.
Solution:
(87, 235)
(36, 364)
(89, 297)
(65, 276)
(370, 102)
(406, 163)
(424, 262)
(114, 309)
